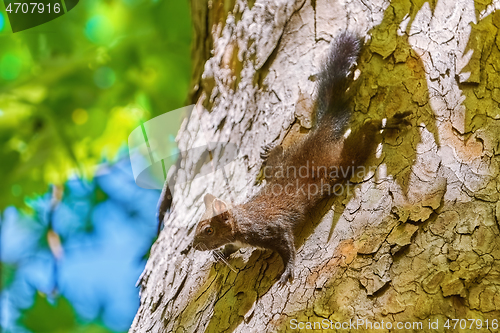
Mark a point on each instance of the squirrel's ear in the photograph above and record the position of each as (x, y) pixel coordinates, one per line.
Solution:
(219, 206)
(208, 199)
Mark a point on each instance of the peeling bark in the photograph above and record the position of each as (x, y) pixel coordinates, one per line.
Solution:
(417, 240)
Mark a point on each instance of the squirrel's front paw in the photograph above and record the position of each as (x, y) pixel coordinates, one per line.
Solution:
(229, 249)
(221, 255)
(266, 150)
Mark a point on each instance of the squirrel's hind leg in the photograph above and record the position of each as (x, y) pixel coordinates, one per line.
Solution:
(396, 122)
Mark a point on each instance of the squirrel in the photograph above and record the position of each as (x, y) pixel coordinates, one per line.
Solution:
(329, 154)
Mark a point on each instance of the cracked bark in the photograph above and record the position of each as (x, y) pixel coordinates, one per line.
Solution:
(416, 240)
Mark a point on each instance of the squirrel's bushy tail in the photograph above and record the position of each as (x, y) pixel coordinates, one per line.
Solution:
(333, 80)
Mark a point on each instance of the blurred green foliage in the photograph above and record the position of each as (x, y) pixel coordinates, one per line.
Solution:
(40, 317)
(72, 89)
(57, 316)
(8, 274)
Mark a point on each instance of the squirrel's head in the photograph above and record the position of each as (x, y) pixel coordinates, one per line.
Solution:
(215, 227)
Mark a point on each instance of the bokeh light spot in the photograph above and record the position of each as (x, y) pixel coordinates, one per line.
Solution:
(80, 116)
(104, 77)
(99, 29)
(10, 67)
(2, 22)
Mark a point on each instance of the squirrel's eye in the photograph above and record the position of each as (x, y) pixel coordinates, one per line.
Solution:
(209, 230)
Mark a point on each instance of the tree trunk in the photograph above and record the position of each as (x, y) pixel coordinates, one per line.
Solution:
(417, 241)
